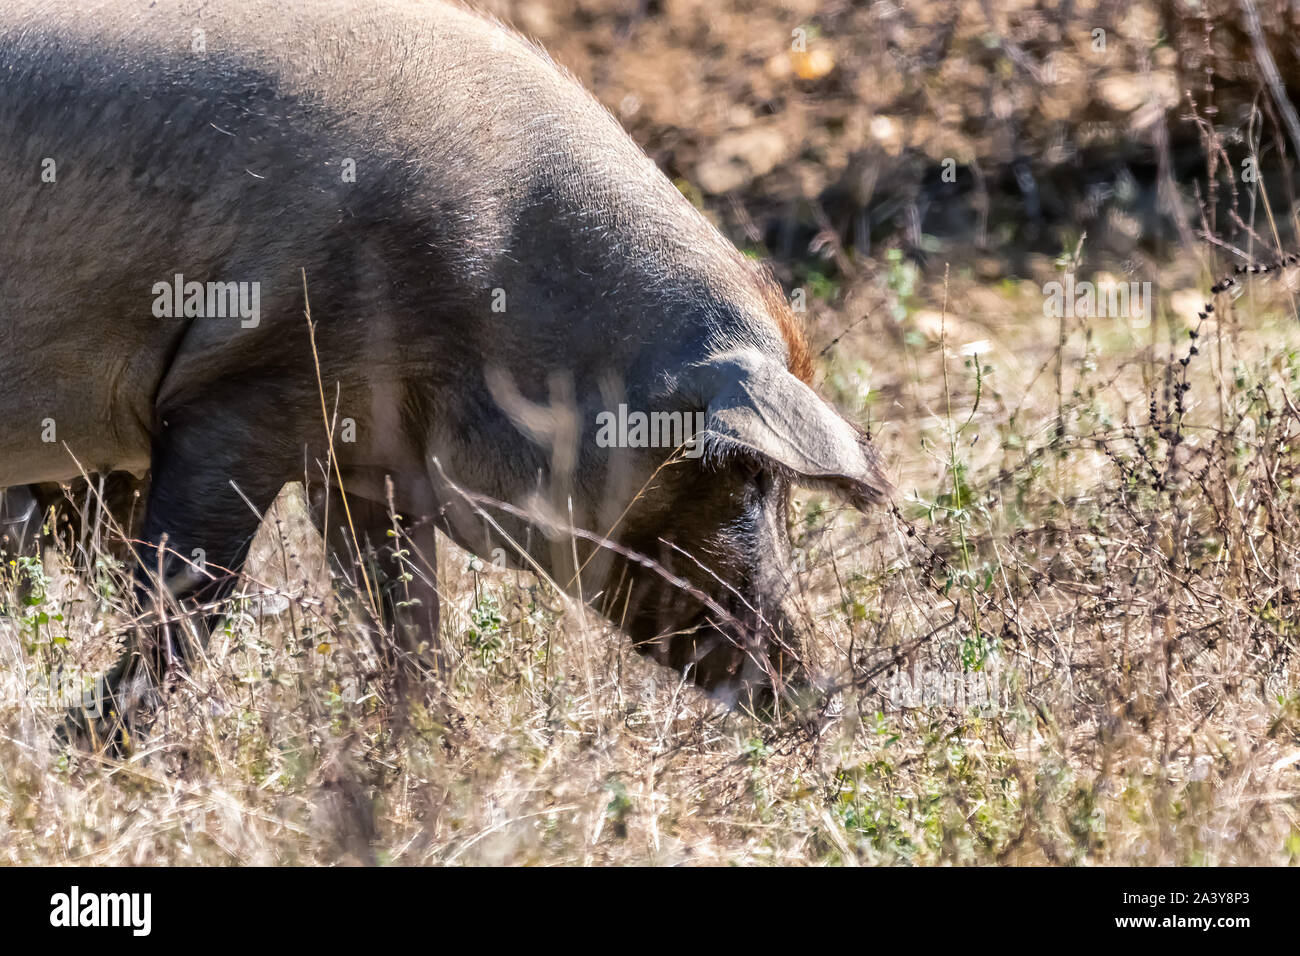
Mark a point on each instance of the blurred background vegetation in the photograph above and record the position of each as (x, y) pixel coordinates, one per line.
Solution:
(816, 128)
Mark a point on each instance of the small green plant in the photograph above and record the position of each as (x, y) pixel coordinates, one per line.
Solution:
(484, 635)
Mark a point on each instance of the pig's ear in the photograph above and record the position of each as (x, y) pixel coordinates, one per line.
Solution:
(755, 406)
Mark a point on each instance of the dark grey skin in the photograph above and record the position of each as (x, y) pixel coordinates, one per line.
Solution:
(33, 516)
(20, 521)
(484, 176)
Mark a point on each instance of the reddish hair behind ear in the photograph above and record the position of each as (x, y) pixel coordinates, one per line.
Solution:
(791, 328)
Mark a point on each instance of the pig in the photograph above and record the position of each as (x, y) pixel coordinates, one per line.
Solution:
(391, 247)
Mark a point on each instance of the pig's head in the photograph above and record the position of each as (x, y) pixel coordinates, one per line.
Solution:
(712, 600)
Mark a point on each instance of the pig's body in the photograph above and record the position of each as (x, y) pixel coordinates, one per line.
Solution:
(504, 243)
